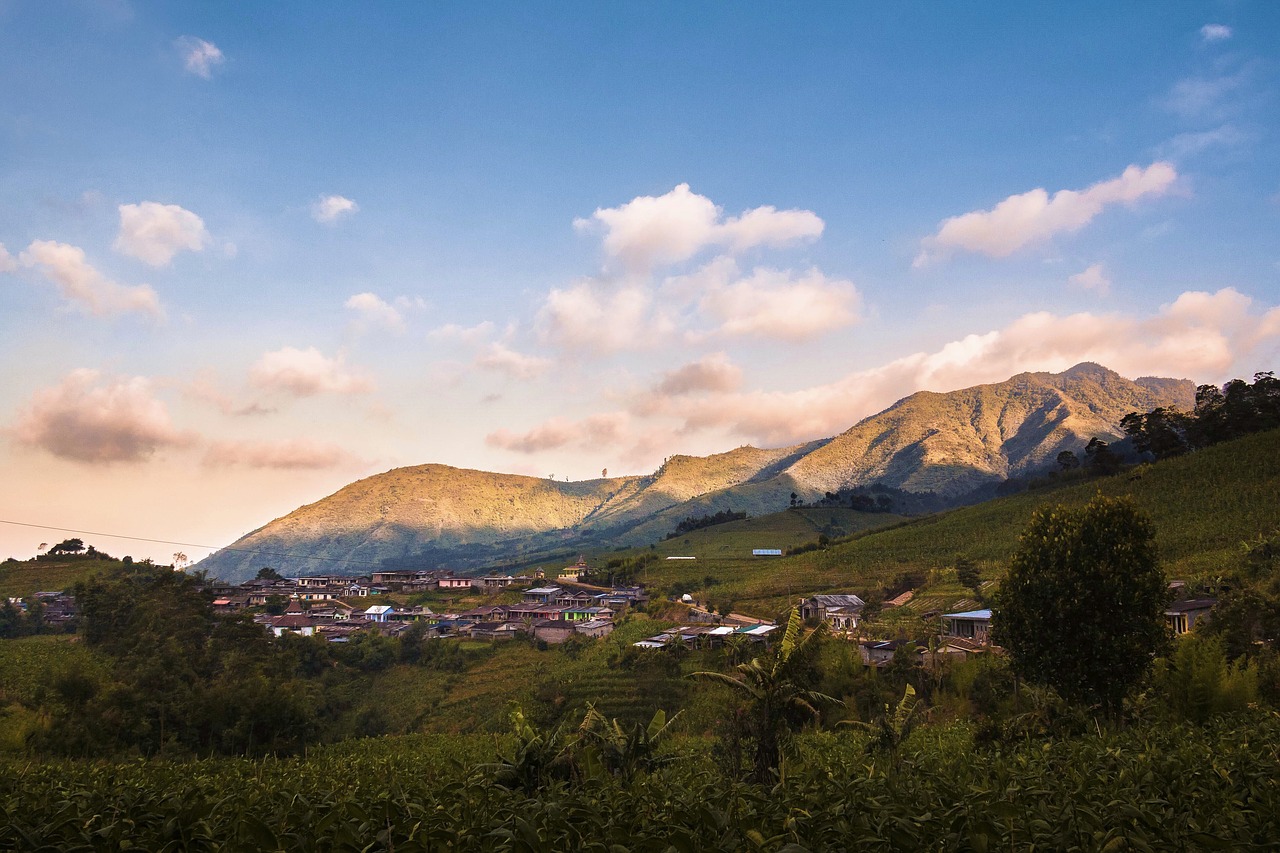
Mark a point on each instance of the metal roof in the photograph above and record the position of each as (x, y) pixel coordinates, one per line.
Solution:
(969, 614)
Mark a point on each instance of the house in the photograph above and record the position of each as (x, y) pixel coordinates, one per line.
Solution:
(1183, 616)
(379, 612)
(496, 582)
(542, 595)
(456, 583)
(316, 581)
(879, 653)
(571, 574)
(292, 623)
(841, 612)
(553, 631)
(969, 625)
(594, 628)
(495, 630)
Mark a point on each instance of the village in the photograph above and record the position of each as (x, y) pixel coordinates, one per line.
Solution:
(337, 607)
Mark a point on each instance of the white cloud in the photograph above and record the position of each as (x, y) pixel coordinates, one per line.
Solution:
(331, 208)
(84, 419)
(372, 310)
(8, 263)
(1215, 32)
(305, 373)
(467, 335)
(500, 359)
(1033, 217)
(154, 233)
(671, 228)
(775, 304)
(1094, 278)
(199, 57)
(587, 316)
(297, 454)
(80, 284)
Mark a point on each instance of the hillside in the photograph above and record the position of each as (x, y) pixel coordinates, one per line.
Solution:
(1205, 506)
(435, 515)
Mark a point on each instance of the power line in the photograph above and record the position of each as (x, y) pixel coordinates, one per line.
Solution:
(213, 548)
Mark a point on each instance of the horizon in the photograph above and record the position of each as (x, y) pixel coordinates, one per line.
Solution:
(247, 260)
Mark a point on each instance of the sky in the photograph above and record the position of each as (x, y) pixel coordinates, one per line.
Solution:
(253, 253)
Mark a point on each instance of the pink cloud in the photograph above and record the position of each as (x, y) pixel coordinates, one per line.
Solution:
(88, 419)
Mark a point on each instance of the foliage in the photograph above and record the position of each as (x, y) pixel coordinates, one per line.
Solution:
(1167, 787)
(1235, 410)
(892, 727)
(1198, 682)
(1082, 607)
(778, 695)
(691, 524)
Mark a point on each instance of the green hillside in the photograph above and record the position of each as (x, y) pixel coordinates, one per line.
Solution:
(1204, 505)
(20, 579)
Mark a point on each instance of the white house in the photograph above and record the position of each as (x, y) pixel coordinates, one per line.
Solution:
(379, 613)
(841, 612)
(969, 625)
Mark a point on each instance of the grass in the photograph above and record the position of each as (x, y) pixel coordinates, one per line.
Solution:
(20, 579)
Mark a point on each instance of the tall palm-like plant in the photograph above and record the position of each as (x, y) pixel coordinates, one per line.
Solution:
(778, 702)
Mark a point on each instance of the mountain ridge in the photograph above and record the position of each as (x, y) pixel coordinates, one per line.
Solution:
(950, 443)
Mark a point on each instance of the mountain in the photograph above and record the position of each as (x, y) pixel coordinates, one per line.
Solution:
(950, 443)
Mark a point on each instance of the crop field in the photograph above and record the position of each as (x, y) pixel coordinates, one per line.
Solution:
(1176, 788)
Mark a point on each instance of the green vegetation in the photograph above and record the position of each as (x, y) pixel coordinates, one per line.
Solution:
(1203, 506)
(1175, 787)
(1082, 606)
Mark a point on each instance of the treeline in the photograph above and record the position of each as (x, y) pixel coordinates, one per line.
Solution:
(1235, 410)
(181, 680)
(876, 497)
(691, 524)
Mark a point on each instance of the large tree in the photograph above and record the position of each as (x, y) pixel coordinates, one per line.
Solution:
(1081, 608)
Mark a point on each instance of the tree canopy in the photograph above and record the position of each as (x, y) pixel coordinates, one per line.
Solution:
(1081, 608)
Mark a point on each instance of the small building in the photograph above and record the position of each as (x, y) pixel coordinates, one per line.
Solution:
(495, 582)
(1183, 616)
(553, 631)
(571, 574)
(542, 595)
(379, 613)
(841, 612)
(292, 623)
(456, 583)
(879, 653)
(969, 625)
(594, 628)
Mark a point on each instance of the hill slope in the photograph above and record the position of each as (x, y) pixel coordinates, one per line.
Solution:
(950, 443)
(1205, 507)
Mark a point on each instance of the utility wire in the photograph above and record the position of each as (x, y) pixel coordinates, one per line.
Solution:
(212, 548)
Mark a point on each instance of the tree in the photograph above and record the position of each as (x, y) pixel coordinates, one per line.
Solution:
(778, 698)
(68, 546)
(1161, 432)
(1082, 606)
(1068, 461)
(1100, 458)
(266, 573)
(967, 574)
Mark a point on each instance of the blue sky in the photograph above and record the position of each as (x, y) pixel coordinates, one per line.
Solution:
(251, 257)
